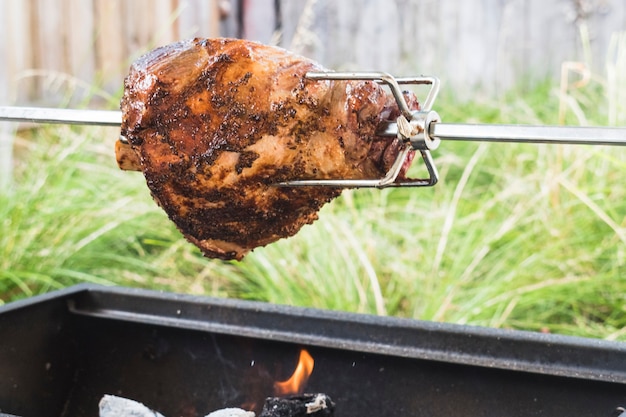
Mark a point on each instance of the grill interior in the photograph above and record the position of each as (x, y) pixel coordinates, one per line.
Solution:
(187, 356)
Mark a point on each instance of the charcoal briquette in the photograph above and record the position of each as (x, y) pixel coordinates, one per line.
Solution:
(305, 405)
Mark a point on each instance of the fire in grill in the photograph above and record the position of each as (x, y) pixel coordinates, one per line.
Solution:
(292, 402)
(189, 356)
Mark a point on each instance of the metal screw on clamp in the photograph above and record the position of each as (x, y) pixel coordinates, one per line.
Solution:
(417, 130)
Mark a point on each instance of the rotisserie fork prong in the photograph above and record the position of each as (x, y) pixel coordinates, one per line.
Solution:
(412, 127)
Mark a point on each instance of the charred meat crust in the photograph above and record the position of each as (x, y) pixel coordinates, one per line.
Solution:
(216, 122)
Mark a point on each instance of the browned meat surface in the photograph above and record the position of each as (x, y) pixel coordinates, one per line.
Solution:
(216, 122)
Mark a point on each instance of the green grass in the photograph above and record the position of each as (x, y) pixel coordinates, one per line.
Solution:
(515, 236)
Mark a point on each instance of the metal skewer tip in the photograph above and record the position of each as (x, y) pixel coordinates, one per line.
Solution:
(63, 116)
(529, 134)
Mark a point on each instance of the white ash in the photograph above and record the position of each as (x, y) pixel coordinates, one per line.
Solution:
(113, 406)
(231, 412)
(318, 403)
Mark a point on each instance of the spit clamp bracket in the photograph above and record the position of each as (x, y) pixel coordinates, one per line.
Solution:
(412, 127)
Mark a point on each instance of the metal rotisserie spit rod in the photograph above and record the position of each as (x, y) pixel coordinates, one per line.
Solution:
(61, 116)
(613, 136)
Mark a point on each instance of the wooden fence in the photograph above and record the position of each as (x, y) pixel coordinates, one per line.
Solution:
(56, 51)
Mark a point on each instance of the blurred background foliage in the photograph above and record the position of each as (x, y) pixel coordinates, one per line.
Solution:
(514, 235)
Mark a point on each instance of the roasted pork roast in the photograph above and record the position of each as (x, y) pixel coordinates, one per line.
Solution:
(216, 123)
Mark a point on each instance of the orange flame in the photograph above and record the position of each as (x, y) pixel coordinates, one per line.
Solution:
(295, 384)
